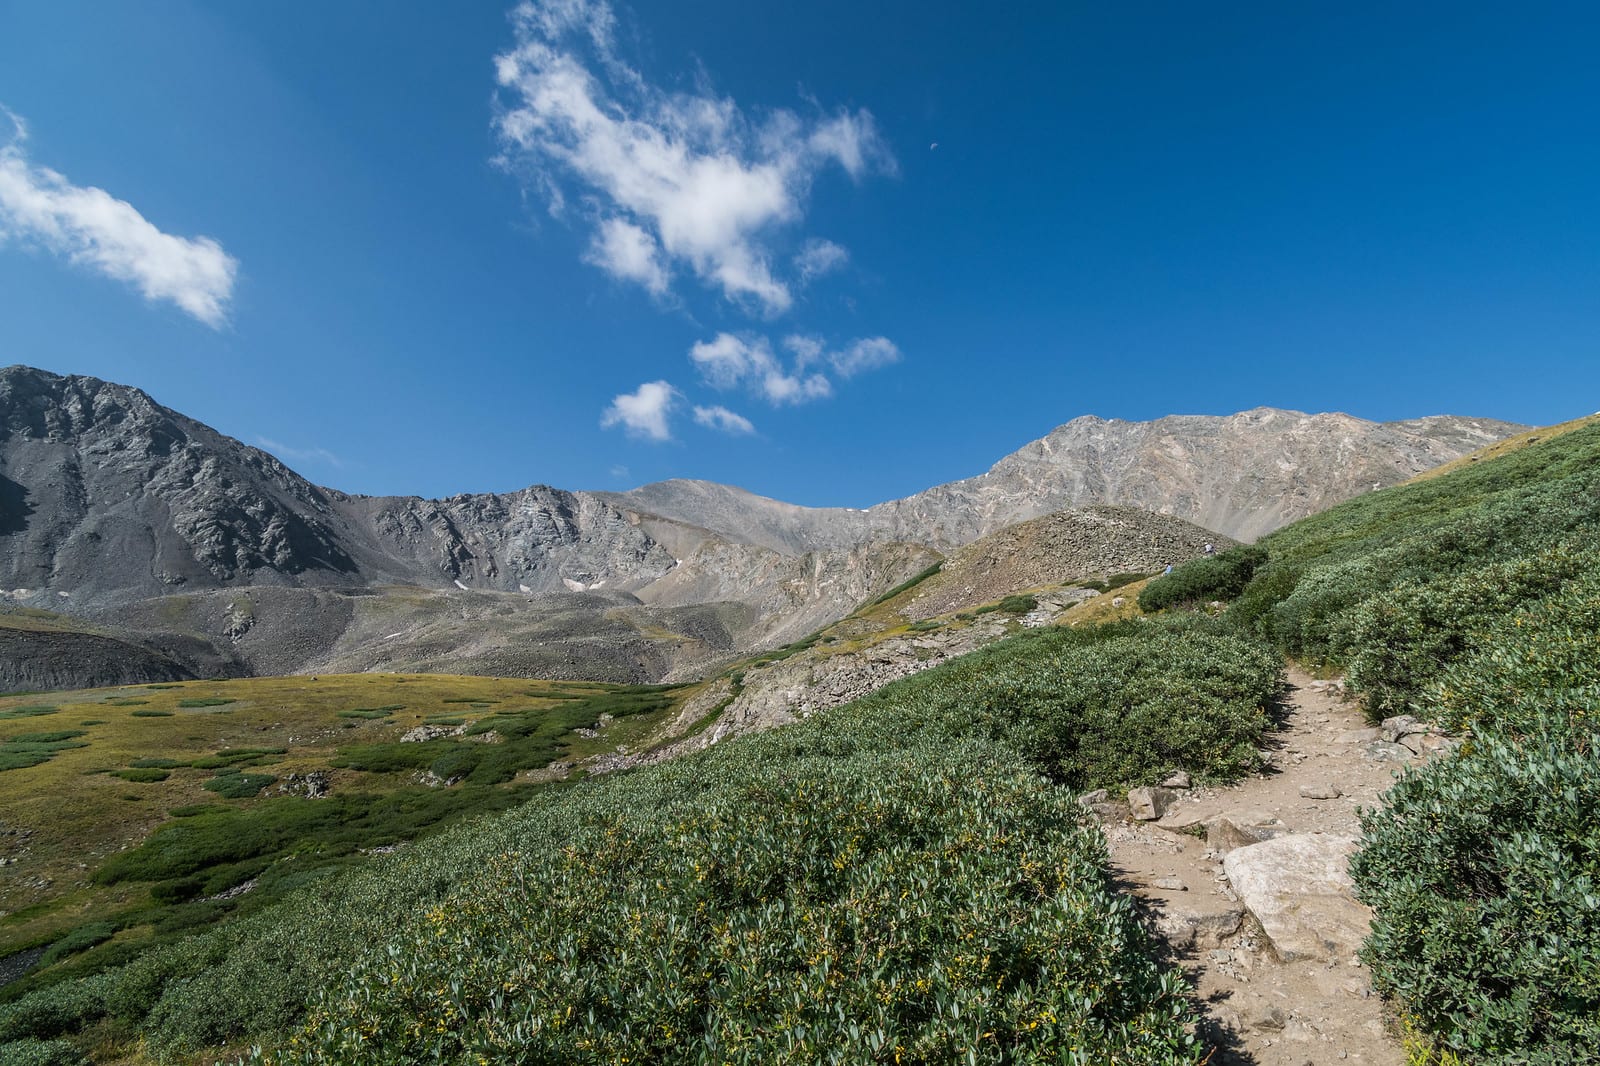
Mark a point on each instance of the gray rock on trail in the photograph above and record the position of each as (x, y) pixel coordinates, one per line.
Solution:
(1298, 888)
(1240, 829)
(1320, 791)
(1426, 743)
(1148, 804)
(1196, 926)
(1385, 751)
(1401, 725)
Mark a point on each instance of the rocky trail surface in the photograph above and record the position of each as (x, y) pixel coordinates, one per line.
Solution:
(1248, 884)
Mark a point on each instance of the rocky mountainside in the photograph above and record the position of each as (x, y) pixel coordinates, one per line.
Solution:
(1075, 544)
(107, 498)
(1242, 475)
(110, 504)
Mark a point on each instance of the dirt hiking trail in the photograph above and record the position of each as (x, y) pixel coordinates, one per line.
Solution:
(1248, 884)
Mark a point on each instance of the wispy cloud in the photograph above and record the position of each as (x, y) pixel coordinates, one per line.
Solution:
(818, 257)
(678, 177)
(300, 455)
(720, 418)
(92, 228)
(644, 413)
(869, 353)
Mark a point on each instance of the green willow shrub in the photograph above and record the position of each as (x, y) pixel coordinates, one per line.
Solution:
(932, 905)
(1494, 511)
(1398, 642)
(1484, 875)
(1109, 706)
(32, 1052)
(1537, 668)
(1216, 577)
(1018, 604)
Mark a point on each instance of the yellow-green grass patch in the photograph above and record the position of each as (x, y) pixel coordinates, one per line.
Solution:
(149, 750)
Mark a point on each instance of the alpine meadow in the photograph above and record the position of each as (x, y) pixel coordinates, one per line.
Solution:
(597, 532)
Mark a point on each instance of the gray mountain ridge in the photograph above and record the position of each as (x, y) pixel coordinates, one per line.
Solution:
(120, 511)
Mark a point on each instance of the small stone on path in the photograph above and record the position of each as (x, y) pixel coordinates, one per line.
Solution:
(1148, 804)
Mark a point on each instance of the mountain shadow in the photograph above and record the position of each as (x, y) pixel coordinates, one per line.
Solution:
(14, 507)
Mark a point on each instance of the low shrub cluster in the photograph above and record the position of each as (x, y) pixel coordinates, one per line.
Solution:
(929, 905)
(1105, 706)
(231, 783)
(1018, 604)
(1484, 870)
(1214, 577)
(31, 749)
(27, 711)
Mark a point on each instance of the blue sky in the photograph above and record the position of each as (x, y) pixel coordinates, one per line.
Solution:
(831, 252)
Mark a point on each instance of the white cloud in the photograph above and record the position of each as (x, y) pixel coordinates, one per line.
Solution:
(625, 251)
(807, 350)
(780, 388)
(300, 455)
(689, 169)
(868, 353)
(92, 228)
(818, 257)
(721, 418)
(643, 413)
(728, 361)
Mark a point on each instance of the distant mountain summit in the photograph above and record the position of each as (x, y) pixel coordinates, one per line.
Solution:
(1243, 475)
(111, 504)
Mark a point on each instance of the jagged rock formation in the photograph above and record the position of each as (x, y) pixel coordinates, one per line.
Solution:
(111, 504)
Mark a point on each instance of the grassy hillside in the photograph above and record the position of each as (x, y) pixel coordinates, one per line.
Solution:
(1471, 598)
(907, 877)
